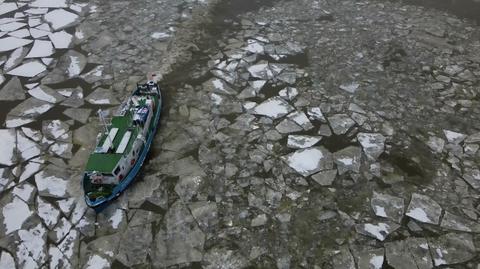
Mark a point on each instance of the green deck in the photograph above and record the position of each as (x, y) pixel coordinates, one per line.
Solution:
(106, 162)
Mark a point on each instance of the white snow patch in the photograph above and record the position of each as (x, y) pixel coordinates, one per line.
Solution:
(74, 67)
(7, 261)
(51, 185)
(160, 35)
(376, 262)
(116, 218)
(216, 99)
(14, 215)
(418, 214)
(30, 169)
(7, 147)
(24, 192)
(31, 249)
(40, 94)
(380, 211)
(274, 107)
(22, 33)
(305, 161)
(379, 231)
(48, 213)
(97, 262)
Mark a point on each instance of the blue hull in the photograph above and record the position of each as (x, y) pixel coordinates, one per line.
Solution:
(100, 204)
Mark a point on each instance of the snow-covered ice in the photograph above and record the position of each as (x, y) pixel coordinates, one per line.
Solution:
(47, 212)
(24, 192)
(41, 48)
(51, 186)
(29, 69)
(309, 161)
(49, 3)
(9, 27)
(61, 40)
(275, 107)
(424, 209)
(302, 141)
(15, 214)
(7, 7)
(7, 147)
(60, 18)
(11, 43)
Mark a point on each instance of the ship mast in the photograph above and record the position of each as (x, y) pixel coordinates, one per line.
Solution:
(104, 123)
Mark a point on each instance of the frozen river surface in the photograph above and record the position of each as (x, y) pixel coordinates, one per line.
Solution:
(296, 134)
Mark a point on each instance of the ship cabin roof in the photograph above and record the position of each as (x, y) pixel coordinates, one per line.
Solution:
(121, 134)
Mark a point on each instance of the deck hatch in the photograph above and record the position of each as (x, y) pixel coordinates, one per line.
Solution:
(124, 143)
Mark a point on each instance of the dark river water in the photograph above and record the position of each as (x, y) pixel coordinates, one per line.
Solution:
(469, 9)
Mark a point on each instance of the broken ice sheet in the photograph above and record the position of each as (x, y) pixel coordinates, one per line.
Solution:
(102, 96)
(26, 111)
(41, 48)
(60, 18)
(388, 206)
(15, 214)
(379, 231)
(302, 141)
(49, 3)
(372, 144)
(309, 161)
(44, 93)
(15, 58)
(350, 87)
(11, 43)
(275, 107)
(61, 40)
(47, 212)
(29, 69)
(424, 209)
(7, 7)
(7, 147)
(31, 252)
(340, 123)
(9, 27)
(50, 185)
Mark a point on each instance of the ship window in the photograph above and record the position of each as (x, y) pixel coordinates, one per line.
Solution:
(117, 170)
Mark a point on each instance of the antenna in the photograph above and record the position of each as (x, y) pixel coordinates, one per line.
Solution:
(104, 123)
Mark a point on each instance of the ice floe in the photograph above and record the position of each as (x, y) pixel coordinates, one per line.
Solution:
(101, 96)
(275, 107)
(29, 170)
(41, 48)
(373, 144)
(7, 261)
(388, 206)
(309, 161)
(50, 185)
(424, 209)
(15, 58)
(47, 212)
(15, 214)
(31, 252)
(97, 262)
(29, 69)
(8, 138)
(7, 7)
(44, 93)
(61, 40)
(454, 137)
(11, 43)
(351, 87)
(49, 3)
(452, 248)
(379, 231)
(340, 123)
(37, 33)
(160, 35)
(302, 141)
(25, 192)
(10, 27)
(60, 18)
(325, 178)
(60, 230)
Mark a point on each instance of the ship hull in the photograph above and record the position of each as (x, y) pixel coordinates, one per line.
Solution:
(100, 204)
